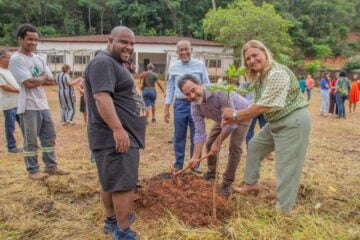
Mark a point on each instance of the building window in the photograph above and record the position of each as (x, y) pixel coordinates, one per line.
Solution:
(213, 63)
(55, 58)
(81, 59)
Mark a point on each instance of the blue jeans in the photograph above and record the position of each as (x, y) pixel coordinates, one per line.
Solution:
(340, 99)
(308, 93)
(250, 133)
(149, 96)
(34, 124)
(325, 96)
(182, 119)
(10, 118)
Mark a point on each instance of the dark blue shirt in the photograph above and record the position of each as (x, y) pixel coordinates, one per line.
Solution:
(324, 84)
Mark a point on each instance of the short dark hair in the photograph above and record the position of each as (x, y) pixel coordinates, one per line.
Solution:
(187, 77)
(342, 74)
(23, 28)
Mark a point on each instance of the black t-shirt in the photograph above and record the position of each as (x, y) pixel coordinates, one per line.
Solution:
(106, 74)
(150, 79)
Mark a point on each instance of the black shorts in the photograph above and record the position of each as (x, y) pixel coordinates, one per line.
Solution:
(82, 104)
(117, 171)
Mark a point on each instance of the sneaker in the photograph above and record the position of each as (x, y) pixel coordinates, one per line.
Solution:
(111, 223)
(225, 190)
(56, 171)
(126, 234)
(153, 120)
(208, 176)
(38, 175)
(15, 150)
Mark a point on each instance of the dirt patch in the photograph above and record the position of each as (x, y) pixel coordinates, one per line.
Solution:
(188, 197)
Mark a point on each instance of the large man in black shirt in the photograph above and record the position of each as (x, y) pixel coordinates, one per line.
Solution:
(116, 129)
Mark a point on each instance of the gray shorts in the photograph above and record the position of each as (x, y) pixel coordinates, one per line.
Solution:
(117, 171)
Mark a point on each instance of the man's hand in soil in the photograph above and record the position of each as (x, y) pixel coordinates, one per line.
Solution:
(122, 141)
(193, 162)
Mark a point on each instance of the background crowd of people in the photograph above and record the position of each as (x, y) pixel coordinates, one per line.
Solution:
(335, 90)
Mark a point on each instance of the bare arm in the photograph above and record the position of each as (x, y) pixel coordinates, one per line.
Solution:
(81, 87)
(9, 88)
(75, 81)
(141, 86)
(244, 115)
(35, 81)
(105, 106)
(49, 82)
(159, 85)
(215, 147)
(167, 113)
(194, 161)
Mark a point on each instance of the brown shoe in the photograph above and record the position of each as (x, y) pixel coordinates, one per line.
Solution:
(38, 175)
(56, 171)
(247, 189)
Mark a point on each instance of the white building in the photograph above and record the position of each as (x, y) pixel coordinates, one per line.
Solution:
(159, 50)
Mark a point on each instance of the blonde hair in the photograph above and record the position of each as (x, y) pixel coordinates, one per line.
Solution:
(251, 74)
(65, 68)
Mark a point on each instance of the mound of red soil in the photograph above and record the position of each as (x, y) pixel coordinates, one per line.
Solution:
(187, 196)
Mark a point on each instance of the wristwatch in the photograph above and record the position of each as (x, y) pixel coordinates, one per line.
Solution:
(234, 115)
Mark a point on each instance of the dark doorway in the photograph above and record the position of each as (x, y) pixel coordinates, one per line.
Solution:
(146, 62)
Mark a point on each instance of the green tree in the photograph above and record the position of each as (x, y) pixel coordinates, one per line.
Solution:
(241, 21)
(318, 22)
(322, 51)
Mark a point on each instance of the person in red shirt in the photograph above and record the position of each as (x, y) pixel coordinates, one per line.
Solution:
(353, 94)
(333, 106)
(309, 85)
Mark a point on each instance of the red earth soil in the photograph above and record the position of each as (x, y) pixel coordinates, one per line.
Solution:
(188, 197)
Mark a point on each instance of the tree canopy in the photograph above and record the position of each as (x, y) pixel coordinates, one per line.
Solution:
(242, 21)
(314, 26)
(317, 23)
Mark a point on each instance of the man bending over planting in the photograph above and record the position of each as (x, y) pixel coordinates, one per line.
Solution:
(206, 104)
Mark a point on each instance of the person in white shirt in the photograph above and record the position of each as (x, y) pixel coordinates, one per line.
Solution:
(9, 94)
(33, 74)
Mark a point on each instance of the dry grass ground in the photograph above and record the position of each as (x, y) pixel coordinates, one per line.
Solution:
(69, 207)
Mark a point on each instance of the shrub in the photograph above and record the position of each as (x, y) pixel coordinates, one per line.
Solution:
(352, 63)
(313, 66)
